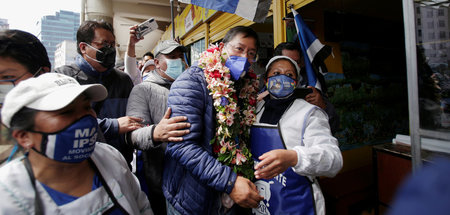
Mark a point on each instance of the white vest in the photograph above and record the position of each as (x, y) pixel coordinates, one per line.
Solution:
(17, 194)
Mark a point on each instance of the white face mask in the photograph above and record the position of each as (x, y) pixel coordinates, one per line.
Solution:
(4, 89)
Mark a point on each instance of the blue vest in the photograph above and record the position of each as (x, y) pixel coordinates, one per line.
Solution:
(287, 193)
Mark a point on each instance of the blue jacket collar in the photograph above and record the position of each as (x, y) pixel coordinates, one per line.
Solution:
(88, 69)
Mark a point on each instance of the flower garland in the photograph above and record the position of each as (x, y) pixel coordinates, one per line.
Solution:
(234, 116)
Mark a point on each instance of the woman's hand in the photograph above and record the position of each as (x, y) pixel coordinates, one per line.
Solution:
(275, 162)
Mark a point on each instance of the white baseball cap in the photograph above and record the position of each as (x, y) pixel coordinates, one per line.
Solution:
(148, 63)
(47, 92)
(297, 68)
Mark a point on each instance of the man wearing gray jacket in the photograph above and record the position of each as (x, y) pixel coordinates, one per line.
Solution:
(148, 101)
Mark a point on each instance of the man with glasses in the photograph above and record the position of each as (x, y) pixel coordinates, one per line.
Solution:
(22, 56)
(194, 181)
(95, 64)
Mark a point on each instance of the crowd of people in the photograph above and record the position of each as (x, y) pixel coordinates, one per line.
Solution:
(161, 137)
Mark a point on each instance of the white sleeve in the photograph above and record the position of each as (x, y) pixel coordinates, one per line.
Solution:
(320, 155)
(132, 70)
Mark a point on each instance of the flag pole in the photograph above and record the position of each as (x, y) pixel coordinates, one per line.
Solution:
(171, 17)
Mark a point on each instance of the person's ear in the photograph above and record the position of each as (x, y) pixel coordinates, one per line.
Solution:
(82, 47)
(45, 69)
(24, 138)
(157, 63)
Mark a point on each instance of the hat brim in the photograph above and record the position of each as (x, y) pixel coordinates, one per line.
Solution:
(282, 57)
(63, 97)
(170, 49)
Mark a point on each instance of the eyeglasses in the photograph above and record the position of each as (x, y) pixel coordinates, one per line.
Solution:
(238, 49)
(13, 81)
(104, 44)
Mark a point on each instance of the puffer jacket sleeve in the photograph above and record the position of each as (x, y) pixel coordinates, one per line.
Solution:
(189, 97)
(109, 127)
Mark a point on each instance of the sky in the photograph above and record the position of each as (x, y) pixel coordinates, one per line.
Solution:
(23, 14)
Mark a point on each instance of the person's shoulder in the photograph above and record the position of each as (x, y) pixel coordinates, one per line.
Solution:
(193, 73)
(103, 148)
(148, 87)
(122, 75)
(67, 69)
(9, 170)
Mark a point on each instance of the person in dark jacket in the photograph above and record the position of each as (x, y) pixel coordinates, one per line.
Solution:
(194, 181)
(95, 64)
(148, 101)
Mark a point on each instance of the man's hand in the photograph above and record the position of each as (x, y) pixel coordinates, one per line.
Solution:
(315, 98)
(128, 123)
(133, 39)
(245, 193)
(275, 162)
(169, 129)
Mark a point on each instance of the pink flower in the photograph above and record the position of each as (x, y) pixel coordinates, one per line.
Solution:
(240, 158)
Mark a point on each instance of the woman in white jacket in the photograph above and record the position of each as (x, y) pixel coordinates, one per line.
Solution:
(291, 144)
(61, 173)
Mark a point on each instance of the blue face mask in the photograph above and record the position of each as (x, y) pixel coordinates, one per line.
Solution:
(72, 144)
(238, 66)
(174, 68)
(281, 86)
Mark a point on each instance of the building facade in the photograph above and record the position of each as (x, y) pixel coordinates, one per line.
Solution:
(65, 53)
(52, 30)
(4, 24)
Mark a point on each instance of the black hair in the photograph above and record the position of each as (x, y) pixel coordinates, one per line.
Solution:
(23, 119)
(149, 54)
(24, 48)
(286, 46)
(86, 31)
(246, 31)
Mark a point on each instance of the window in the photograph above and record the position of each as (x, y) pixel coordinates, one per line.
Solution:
(430, 116)
(196, 49)
(419, 21)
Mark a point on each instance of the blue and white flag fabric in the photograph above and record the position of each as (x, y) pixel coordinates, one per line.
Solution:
(313, 50)
(254, 10)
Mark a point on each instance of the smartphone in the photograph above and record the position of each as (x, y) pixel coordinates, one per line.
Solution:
(146, 27)
(302, 92)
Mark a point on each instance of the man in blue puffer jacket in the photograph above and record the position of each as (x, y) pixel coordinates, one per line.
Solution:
(193, 179)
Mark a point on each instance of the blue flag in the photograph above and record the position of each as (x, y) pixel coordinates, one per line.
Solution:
(254, 10)
(314, 52)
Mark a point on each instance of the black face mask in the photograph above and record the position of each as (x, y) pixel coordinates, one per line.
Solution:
(106, 56)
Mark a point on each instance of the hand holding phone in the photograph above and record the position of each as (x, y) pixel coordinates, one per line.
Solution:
(302, 92)
(145, 28)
